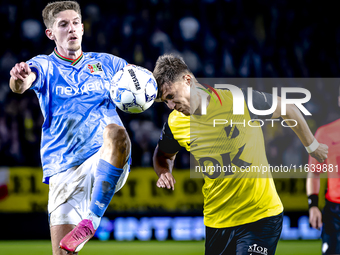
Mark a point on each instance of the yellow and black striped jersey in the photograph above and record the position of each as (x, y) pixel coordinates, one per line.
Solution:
(236, 197)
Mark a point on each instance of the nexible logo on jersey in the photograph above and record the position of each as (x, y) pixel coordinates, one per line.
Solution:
(96, 85)
(238, 104)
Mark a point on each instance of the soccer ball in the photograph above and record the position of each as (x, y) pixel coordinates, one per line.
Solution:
(133, 89)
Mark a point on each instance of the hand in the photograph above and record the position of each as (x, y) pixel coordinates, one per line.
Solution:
(20, 71)
(166, 180)
(320, 154)
(315, 217)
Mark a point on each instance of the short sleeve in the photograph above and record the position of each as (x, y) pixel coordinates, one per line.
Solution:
(167, 143)
(118, 63)
(39, 65)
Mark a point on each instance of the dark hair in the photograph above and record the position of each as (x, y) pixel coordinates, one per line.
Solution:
(52, 9)
(168, 69)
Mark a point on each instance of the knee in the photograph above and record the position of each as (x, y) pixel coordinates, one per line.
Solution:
(117, 136)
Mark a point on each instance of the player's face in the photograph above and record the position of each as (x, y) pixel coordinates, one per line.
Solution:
(177, 95)
(67, 31)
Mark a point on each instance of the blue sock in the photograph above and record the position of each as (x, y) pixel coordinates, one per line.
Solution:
(105, 182)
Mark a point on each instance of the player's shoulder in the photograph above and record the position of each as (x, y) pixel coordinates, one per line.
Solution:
(40, 62)
(41, 58)
(177, 116)
(103, 56)
(177, 119)
(328, 132)
(333, 126)
(225, 95)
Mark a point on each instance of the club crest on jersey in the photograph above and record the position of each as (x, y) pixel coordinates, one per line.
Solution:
(94, 68)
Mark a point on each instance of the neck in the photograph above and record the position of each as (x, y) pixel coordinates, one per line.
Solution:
(69, 53)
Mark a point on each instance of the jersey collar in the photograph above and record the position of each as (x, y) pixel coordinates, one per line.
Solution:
(72, 62)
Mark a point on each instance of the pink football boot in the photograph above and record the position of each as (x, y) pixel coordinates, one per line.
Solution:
(78, 237)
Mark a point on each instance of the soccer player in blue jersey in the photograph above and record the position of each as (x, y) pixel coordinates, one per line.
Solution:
(85, 150)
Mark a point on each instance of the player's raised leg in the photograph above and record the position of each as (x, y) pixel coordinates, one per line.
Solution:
(114, 155)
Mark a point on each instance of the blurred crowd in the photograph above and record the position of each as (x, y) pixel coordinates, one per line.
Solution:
(217, 38)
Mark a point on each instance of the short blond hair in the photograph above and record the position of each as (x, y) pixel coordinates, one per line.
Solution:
(52, 9)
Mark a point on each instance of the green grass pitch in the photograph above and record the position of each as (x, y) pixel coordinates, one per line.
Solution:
(147, 248)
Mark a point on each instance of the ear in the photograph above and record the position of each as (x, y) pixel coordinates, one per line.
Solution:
(188, 79)
(49, 34)
(82, 31)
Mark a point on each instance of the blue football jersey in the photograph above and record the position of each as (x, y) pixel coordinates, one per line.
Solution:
(75, 101)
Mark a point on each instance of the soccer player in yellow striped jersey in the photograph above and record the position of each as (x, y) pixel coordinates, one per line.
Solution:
(242, 211)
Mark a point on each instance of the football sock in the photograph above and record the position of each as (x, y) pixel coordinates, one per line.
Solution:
(94, 218)
(105, 182)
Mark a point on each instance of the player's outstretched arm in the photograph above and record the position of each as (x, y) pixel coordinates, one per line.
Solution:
(163, 164)
(302, 131)
(313, 187)
(21, 78)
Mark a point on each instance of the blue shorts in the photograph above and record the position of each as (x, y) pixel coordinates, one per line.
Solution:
(331, 228)
(257, 238)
